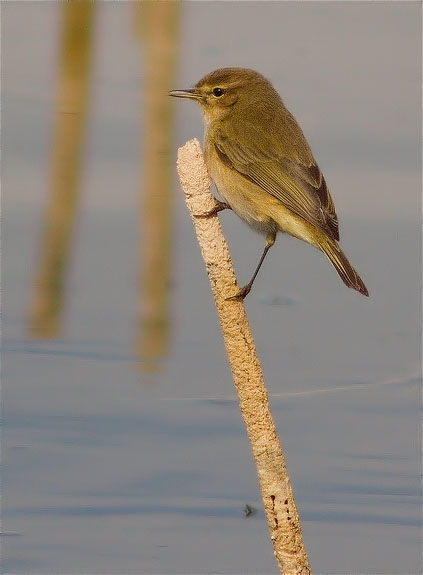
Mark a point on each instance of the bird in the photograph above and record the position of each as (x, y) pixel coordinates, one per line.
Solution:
(263, 168)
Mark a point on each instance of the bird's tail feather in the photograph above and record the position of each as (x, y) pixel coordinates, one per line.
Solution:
(340, 262)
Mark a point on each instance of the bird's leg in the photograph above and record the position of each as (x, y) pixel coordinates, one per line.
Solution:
(219, 206)
(243, 292)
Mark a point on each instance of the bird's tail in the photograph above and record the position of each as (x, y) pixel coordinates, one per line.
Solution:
(340, 262)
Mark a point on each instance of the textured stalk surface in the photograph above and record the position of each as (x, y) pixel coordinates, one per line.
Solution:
(278, 499)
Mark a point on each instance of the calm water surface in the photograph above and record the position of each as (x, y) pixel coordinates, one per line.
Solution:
(112, 467)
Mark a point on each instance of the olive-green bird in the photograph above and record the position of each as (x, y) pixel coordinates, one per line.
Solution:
(263, 168)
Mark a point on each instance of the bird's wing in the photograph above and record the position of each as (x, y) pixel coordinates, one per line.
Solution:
(297, 182)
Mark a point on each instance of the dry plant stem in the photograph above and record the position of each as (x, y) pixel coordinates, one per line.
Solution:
(278, 498)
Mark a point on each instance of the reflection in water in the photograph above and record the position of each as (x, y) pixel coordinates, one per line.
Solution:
(157, 25)
(72, 95)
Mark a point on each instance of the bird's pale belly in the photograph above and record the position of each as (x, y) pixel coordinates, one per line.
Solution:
(262, 211)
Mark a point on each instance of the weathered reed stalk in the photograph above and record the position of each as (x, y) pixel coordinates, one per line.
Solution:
(278, 498)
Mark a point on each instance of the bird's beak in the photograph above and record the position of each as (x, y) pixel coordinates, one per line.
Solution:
(193, 94)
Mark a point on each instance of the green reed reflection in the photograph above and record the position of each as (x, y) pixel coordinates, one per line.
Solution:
(72, 94)
(157, 24)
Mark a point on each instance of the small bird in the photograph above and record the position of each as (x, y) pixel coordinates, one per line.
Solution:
(263, 168)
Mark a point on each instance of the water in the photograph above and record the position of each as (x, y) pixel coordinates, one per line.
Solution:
(111, 467)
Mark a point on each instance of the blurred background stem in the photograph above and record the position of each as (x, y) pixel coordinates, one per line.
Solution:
(46, 304)
(157, 25)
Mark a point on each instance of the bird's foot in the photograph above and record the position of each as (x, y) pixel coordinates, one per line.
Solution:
(219, 207)
(241, 295)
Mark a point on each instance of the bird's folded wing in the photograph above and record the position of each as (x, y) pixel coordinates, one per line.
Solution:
(300, 187)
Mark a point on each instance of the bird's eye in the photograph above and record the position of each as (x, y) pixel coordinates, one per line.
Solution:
(218, 92)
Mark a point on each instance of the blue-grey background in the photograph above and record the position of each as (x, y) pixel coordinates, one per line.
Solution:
(107, 469)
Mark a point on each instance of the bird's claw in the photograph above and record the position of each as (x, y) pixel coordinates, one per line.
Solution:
(219, 206)
(241, 295)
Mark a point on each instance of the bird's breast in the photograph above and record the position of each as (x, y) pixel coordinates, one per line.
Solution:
(262, 211)
(246, 199)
